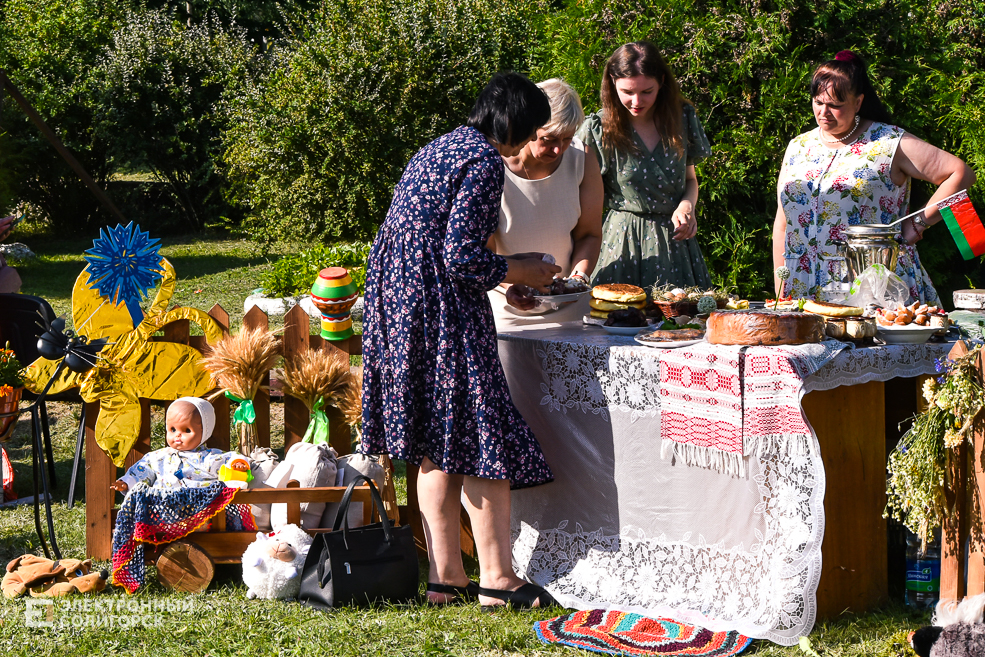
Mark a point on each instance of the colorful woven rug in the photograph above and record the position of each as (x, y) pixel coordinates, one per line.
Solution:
(619, 633)
(156, 516)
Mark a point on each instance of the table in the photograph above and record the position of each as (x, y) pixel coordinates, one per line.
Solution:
(622, 528)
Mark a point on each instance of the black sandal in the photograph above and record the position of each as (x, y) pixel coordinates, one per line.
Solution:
(523, 598)
(467, 593)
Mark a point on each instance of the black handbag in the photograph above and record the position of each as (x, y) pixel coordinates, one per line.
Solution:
(373, 563)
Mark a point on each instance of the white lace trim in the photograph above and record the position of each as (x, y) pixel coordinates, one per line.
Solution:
(764, 587)
(763, 590)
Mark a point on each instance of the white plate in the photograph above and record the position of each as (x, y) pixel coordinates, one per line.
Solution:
(546, 303)
(669, 345)
(624, 330)
(598, 321)
(906, 334)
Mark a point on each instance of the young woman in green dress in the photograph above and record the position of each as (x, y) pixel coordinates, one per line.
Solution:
(647, 139)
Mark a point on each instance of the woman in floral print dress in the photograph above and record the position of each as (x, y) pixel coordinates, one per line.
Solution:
(854, 168)
(434, 392)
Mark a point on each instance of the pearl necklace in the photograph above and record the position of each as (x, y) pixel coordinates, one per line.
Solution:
(851, 132)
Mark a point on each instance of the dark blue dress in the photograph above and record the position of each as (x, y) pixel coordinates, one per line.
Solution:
(433, 385)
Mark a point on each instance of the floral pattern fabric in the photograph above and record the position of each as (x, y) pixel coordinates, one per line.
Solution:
(824, 190)
(642, 190)
(433, 384)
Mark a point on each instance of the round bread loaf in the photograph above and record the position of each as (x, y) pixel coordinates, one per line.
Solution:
(619, 292)
(764, 327)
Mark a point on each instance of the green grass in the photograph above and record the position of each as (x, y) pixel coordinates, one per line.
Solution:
(222, 621)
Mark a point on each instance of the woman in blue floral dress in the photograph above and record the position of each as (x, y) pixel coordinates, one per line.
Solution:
(854, 168)
(434, 391)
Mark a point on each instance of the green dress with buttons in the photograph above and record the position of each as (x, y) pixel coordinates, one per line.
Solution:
(642, 190)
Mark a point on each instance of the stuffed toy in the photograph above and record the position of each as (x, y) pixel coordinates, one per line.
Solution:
(958, 630)
(272, 564)
(236, 473)
(44, 578)
(312, 466)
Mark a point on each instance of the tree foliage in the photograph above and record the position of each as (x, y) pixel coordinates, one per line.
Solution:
(746, 65)
(49, 49)
(316, 145)
(161, 103)
(307, 130)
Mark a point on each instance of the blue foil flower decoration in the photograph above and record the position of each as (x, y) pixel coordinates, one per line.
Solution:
(124, 264)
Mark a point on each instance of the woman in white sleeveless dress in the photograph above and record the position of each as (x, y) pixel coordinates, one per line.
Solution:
(552, 203)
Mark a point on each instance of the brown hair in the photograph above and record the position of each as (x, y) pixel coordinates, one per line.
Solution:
(846, 75)
(632, 59)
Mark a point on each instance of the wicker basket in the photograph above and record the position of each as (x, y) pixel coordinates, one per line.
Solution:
(677, 308)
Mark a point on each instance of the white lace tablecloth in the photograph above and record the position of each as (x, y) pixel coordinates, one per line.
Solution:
(622, 529)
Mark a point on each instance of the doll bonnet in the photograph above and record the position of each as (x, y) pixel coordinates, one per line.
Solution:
(206, 412)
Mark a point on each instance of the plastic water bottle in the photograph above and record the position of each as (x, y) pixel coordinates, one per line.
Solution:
(923, 572)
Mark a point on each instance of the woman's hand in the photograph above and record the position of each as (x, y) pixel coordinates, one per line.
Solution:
(6, 226)
(528, 269)
(912, 231)
(120, 486)
(521, 296)
(685, 225)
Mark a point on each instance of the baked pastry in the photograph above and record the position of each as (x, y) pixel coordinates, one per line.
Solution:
(609, 306)
(631, 317)
(831, 309)
(615, 296)
(676, 335)
(619, 292)
(764, 327)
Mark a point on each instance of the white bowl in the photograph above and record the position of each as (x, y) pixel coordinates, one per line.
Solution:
(909, 334)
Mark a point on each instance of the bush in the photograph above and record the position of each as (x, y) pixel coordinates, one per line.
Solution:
(161, 104)
(317, 144)
(293, 275)
(49, 49)
(746, 65)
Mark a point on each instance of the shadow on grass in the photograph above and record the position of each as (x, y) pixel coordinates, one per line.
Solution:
(206, 264)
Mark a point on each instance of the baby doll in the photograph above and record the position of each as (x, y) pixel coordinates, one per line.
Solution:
(186, 462)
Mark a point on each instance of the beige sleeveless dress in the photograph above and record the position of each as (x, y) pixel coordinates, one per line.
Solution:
(539, 215)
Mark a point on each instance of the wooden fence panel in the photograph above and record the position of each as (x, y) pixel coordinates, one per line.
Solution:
(220, 434)
(965, 525)
(100, 471)
(254, 319)
(296, 339)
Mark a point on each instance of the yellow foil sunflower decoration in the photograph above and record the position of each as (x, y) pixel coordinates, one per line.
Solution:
(130, 366)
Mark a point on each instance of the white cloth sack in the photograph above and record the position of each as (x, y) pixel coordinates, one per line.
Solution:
(352, 466)
(312, 466)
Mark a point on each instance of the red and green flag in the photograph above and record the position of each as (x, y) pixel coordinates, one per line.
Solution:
(965, 226)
